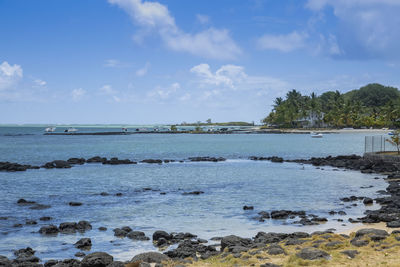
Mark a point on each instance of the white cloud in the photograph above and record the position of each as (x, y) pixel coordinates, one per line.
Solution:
(39, 83)
(155, 17)
(185, 97)
(143, 71)
(107, 90)
(282, 42)
(9, 75)
(114, 63)
(77, 94)
(365, 28)
(202, 19)
(164, 93)
(226, 75)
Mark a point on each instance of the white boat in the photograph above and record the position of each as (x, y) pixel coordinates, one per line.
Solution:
(50, 129)
(316, 135)
(70, 130)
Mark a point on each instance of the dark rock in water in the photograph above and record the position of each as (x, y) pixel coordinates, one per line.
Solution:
(284, 214)
(161, 242)
(104, 194)
(118, 194)
(150, 257)
(25, 252)
(342, 213)
(49, 230)
(68, 227)
(212, 159)
(22, 201)
(25, 256)
(275, 250)
(50, 263)
(119, 232)
(126, 229)
(137, 235)
(313, 254)
(45, 218)
(3, 218)
(4, 261)
(59, 164)
(368, 201)
(15, 167)
(276, 159)
(83, 226)
(102, 228)
(161, 234)
(96, 159)
(17, 225)
(80, 254)
(97, 259)
(116, 161)
(232, 240)
(68, 263)
(248, 208)
(193, 193)
(75, 204)
(79, 161)
(190, 248)
(350, 253)
(84, 243)
(152, 161)
(30, 222)
(39, 207)
(264, 215)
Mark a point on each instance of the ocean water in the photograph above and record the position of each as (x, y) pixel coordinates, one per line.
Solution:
(228, 186)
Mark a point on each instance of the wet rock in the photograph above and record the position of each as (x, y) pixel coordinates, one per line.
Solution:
(393, 224)
(193, 193)
(68, 263)
(4, 261)
(30, 222)
(137, 235)
(313, 254)
(116, 161)
(22, 201)
(150, 257)
(368, 201)
(268, 238)
(119, 232)
(190, 248)
(97, 259)
(83, 226)
(80, 254)
(25, 255)
(118, 194)
(102, 228)
(369, 231)
(104, 194)
(45, 218)
(78, 161)
(84, 243)
(14, 167)
(350, 253)
(39, 207)
(50, 263)
(59, 164)
(96, 159)
(75, 204)
(248, 208)
(49, 230)
(17, 225)
(152, 161)
(68, 227)
(212, 159)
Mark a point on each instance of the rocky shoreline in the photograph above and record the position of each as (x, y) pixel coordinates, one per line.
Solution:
(188, 249)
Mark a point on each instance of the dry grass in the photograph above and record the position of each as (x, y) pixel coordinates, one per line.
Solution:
(381, 253)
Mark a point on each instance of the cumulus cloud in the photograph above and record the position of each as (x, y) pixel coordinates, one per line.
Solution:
(155, 17)
(282, 42)
(143, 71)
(9, 75)
(107, 90)
(77, 94)
(366, 28)
(233, 77)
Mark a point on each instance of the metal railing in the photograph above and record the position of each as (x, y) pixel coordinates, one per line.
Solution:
(378, 143)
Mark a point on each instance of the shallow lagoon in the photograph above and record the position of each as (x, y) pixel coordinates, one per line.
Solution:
(228, 186)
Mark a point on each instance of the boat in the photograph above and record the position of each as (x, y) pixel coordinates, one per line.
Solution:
(316, 135)
(70, 130)
(50, 129)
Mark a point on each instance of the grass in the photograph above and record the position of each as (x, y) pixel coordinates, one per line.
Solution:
(380, 253)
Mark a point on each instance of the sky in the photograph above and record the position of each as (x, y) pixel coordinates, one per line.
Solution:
(149, 62)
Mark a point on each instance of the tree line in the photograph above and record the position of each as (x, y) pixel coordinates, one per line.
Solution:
(373, 105)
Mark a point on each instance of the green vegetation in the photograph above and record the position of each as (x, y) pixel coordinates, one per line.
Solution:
(209, 123)
(173, 128)
(373, 105)
(395, 140)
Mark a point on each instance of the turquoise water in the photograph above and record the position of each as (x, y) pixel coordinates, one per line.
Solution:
(227, 185)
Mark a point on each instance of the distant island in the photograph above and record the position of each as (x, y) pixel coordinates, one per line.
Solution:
(373, 105)
(209, 123)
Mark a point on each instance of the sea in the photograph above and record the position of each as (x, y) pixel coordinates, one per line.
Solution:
(228, 186)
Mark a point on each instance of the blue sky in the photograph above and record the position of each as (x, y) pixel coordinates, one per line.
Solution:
(135, 61)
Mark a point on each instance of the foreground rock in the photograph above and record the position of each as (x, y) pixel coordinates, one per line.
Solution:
(313, 254)
(149, 257)
(97, 259)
